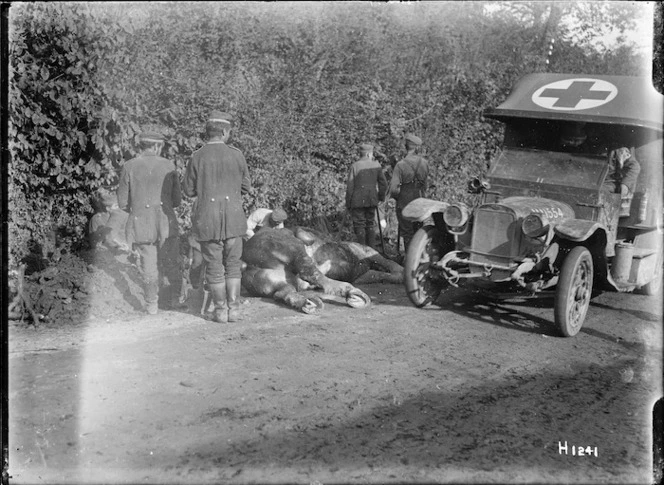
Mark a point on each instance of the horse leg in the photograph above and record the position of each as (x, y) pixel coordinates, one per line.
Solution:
(305, 269)
(287, 294)
(274, 284)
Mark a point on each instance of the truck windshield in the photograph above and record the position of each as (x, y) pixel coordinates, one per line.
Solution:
(545, 167)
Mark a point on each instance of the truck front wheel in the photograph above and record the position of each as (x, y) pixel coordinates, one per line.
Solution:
(573, 291)
(424, 250)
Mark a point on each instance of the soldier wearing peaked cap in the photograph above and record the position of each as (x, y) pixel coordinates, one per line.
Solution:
(149, 190)
(217, 175)
(365, 188)
(409, 182)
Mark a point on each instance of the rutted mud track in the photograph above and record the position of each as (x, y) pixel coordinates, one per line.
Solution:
(457, 392)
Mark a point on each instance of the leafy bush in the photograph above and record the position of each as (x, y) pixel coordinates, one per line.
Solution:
(306, 84)
(61, 131)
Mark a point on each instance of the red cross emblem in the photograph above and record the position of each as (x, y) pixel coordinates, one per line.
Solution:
(575, 94)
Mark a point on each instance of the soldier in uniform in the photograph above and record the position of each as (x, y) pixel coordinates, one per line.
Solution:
(622, 176)
(149, 190)
(218, 176)
(409, 181)
(365, 187)
(623, 172)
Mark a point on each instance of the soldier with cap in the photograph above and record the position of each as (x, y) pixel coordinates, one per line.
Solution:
(366, 186)
(262, 217)
(149, 190)
(409, 182)
(217, 175)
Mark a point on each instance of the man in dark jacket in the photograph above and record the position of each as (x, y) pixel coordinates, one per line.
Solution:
(365, 187)
(622, 176)
(218, 176)
(409, 182)
(149, 190)
(623, 172)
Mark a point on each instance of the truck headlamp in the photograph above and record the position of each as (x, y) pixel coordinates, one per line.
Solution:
(456, 215)
(535, 225)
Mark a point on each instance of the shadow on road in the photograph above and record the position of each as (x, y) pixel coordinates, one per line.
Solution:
(121, 270)
(640, 314)
(514, 424)
(518, 314)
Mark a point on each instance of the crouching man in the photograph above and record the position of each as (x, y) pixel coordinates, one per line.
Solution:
(107, 227)
(269, 218)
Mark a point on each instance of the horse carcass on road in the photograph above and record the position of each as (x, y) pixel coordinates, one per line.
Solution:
(283, 264)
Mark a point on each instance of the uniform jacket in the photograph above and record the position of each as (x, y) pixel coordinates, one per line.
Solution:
(625, 176)
(149, 189)
(217, 174)
(409, 179)
(366, 184)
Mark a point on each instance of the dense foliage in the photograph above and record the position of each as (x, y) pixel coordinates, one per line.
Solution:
(305, 82)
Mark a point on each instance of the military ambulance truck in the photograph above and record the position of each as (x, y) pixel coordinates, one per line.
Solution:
(546, 220)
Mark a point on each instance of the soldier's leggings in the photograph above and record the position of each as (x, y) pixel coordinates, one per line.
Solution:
(364, 221)
(166, 256)
(222, 259)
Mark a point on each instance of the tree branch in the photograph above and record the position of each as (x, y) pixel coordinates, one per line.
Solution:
(423, 114)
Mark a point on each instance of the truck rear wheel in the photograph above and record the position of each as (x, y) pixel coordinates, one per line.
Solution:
(573, 291)
(424, 249)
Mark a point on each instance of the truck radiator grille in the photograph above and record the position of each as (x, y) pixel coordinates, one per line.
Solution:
(496, 237)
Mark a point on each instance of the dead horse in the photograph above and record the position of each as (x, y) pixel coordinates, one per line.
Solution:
(286, 264)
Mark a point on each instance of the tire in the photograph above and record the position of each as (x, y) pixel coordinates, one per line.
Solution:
(573, 291)
(425, 248)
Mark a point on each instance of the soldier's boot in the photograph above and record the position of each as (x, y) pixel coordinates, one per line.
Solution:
(151, 297)
(233, 286)
(218, 292)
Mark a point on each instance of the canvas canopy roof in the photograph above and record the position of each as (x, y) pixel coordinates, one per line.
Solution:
(621, 100)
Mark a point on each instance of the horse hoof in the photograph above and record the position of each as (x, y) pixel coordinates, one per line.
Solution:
(358, 299)
(313, 306)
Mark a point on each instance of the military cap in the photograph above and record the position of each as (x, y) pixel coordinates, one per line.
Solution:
(151, 136)
(278, 216)
(415, 140)
(366, 147)
(220, 117)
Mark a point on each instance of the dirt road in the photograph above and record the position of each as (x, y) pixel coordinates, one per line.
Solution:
(465, 391)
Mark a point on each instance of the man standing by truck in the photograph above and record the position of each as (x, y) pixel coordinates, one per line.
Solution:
(409, 182)
(365, 187)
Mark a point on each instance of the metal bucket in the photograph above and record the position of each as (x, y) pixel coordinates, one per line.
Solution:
(622, 262)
